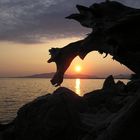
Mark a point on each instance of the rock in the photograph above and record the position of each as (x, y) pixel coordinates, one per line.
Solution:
(126, 124)
(101, 98)
(7, 131)
(135, 76)
(110, 86)
(120, 86)
(133, 86)
(109, 83)
(98, 115)
(2, 127)
(50, 117)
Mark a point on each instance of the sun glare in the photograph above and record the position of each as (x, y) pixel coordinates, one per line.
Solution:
(78, 68)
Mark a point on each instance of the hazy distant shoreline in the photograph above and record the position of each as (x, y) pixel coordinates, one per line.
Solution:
(78, 76)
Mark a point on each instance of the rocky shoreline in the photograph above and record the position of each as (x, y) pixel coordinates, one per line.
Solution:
(111, 113)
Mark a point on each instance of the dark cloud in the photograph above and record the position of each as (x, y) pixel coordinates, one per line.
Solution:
(30, 21)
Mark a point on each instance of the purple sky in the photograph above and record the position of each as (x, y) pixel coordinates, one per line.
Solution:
(27, 21)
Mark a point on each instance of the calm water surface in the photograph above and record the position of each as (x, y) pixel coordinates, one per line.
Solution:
(14, 92)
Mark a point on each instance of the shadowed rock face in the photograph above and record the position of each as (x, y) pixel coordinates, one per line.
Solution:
(116, 31)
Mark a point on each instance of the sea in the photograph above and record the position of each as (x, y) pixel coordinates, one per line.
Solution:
(15, 92)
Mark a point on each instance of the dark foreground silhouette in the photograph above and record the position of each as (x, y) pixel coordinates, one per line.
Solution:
(111, 113)
(115, 31)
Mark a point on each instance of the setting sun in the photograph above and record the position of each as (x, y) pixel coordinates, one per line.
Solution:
(78, 68)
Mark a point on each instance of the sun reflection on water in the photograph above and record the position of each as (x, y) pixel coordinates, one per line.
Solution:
(77, 87)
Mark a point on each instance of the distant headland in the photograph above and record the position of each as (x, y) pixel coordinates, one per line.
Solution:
(74, 76)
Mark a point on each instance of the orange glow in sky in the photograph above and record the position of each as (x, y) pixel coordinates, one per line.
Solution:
(29, 59)
(78, 68)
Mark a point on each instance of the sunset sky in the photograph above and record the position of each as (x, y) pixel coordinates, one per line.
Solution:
(29, 28)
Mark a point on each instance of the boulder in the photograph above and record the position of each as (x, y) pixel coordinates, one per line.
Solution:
(133, 86)
(120, 86)
(109, 83)
(50, 117)
(126, 124)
